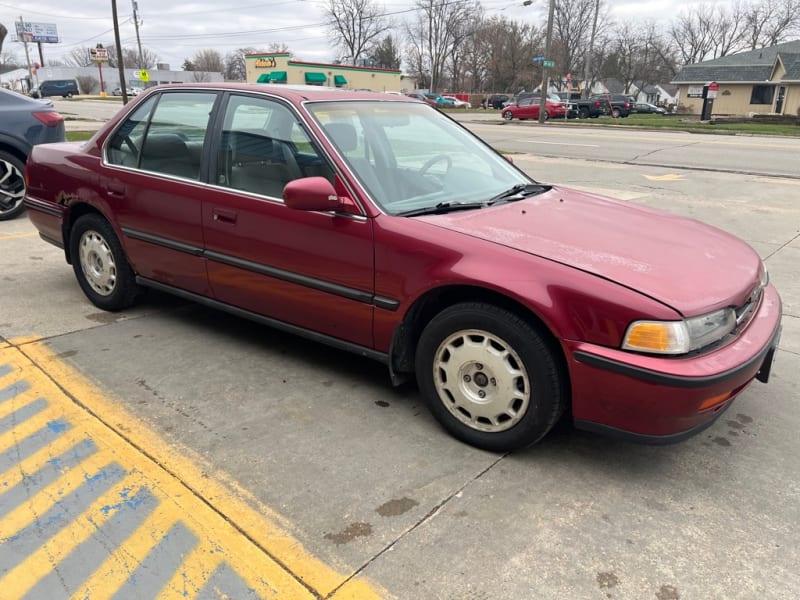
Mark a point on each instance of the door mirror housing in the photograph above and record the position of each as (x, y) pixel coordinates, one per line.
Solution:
(315, 193)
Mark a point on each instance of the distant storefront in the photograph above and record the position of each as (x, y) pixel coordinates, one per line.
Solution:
(280, 68)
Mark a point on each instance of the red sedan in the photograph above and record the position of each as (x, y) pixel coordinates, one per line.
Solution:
(528, 108)
(319, 212)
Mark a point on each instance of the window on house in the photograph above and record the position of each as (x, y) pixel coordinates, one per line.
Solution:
(762, 94)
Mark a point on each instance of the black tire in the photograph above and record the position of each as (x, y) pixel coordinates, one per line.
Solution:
(583, 113)
(12, 186)
(475, 359)
(615, 113)
(100, 264)
(508, 115)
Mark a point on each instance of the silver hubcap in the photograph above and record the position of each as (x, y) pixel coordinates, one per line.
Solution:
(97, 263)
(481, 380)
(12, 186)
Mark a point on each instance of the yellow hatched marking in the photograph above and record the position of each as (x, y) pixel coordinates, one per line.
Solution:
(193, 573)
(38, 564)
(28, 427)
(15, 474)
(117, 568)
(183, 481)
(16, 402)
(27, 512)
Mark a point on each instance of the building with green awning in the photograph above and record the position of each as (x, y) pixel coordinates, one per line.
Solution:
(279, 67)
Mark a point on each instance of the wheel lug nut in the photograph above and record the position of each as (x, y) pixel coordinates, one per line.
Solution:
(467, 378)
(493, 381)
(479, 366)
(481, 394)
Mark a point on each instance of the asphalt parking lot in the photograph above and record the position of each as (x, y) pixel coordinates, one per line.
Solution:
(282, 468)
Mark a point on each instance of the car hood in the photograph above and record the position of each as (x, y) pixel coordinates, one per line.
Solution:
(687, 265)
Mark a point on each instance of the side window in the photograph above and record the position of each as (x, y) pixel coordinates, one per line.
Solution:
(166, 134)
(263, 148)
(125, 146)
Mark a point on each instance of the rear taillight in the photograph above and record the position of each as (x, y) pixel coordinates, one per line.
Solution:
(597, 102)
(49, 117)
(627, 105)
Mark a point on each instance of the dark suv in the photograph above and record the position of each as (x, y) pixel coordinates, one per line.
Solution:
(23, 123)
(496, 100)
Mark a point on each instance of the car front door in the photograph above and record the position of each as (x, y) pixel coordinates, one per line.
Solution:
(155, 168)
(313, 270)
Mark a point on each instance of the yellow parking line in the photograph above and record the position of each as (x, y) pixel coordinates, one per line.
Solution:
(27, 428)
(15, 475)
(195, 570)
(119, 565)
(25, 575)
(253, 540)
(27, 513)
(18, 235)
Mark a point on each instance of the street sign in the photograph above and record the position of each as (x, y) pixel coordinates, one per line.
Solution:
(98, 55)
(144, 76)
(549, 64)
(713, 88)
(537, 58)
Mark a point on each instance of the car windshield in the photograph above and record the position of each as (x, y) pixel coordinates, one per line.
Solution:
(411, 157)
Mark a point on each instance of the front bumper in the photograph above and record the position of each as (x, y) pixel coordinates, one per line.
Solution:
(660, 399)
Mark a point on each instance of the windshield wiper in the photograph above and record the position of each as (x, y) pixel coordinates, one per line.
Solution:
(518, 192)
(441, 208)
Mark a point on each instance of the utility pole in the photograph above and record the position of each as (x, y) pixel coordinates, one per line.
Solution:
(136, 23)
(123, 84)
(587, 71)
(27, 54)
(548, 43)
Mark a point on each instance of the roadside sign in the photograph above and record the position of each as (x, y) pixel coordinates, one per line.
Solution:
(713, 88)
(144, 75)
(537, 58)
(549, 64)
(98, 55)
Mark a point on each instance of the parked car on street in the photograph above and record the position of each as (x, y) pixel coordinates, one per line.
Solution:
(439, 100)
(424, 98)
(380, 226)
(496, 100)
(528, 108)
(24, 122)
(457, 103)
(66, 88)
(647, 108)
(616, 105)
(131, 91)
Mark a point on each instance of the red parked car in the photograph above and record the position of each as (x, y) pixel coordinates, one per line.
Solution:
(528, 108)
(513, 302)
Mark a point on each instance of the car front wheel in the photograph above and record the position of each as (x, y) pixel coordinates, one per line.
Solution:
(100, 264)
(489, 377)
(507, 115)
(12, 186)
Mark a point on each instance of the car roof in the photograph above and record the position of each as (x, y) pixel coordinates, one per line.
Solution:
(296, 93)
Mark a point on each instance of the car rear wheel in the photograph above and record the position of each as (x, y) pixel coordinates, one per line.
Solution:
(615, 113)
(583, 113)
(489, 377)
(100, 265)
(12, 186)
(508, 115)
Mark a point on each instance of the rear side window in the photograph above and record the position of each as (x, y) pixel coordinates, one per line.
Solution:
(165, 135)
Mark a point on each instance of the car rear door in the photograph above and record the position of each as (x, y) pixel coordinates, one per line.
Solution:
(154, 182)
(310, 269)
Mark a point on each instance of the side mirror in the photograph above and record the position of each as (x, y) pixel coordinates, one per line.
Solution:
(311, 193)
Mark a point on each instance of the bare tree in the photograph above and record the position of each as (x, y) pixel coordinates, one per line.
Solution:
(278, 47)
(205, 60)
(78, 57)
(770, 22)
(236, 63)
(640, 54)
(9, 60)
(574, 21)
(439, 27)
(355, 25)
(708, 31)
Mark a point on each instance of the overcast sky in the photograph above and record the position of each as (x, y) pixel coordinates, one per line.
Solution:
(174, 30)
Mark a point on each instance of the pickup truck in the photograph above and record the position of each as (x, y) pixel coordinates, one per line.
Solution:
(616, 105)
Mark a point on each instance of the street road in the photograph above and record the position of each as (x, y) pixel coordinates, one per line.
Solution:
(330, 473)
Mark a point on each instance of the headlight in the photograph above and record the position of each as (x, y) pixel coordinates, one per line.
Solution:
(679, 337)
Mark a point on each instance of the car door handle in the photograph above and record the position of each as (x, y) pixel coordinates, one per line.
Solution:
(115, 189)
(224, 216)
